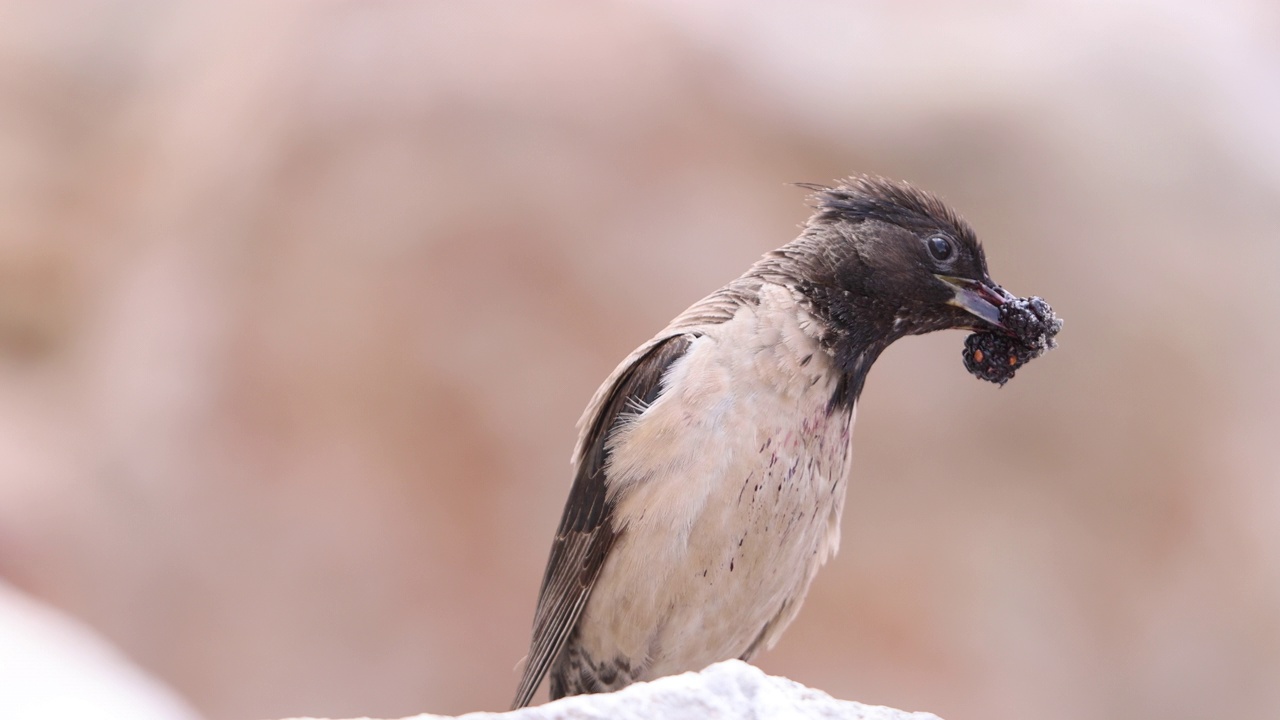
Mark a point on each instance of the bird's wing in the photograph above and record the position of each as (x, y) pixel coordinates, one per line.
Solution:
(717, 308)
(587, 530)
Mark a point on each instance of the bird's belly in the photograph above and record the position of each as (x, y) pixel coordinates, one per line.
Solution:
(754, 550)
(738, 507)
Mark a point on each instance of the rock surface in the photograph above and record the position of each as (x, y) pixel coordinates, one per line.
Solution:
(731, 689)
(54, 667)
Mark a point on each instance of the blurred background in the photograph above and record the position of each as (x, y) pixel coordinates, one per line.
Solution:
(300, 302)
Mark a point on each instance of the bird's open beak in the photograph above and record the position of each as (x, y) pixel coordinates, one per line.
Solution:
(979, 299)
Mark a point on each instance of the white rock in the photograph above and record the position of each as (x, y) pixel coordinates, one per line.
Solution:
(53, 667)
(731, 689)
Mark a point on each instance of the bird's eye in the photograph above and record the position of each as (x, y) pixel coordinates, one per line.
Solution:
(940, 248)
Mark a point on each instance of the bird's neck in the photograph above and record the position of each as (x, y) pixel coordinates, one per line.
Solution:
(854, 331)
(853, 375)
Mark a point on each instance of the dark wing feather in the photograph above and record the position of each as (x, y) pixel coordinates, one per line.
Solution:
(587, 530)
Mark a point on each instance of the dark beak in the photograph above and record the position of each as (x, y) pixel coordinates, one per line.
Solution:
(982, 300)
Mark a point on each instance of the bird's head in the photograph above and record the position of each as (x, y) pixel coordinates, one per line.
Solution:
(881, 259)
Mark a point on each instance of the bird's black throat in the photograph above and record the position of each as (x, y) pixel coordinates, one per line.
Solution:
(855, 330)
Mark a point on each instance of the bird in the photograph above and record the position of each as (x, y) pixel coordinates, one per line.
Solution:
(711, 465)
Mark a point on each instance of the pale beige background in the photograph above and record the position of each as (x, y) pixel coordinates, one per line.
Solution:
(299, 303)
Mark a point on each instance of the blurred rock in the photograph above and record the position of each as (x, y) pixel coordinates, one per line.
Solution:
(54, 668)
